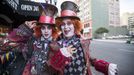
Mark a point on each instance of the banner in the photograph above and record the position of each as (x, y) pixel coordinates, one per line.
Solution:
(26, 8)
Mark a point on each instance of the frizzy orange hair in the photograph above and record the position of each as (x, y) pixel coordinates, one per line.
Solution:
(77, 25)
(37, 32)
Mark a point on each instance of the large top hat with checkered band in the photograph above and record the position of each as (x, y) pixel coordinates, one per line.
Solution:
(48, 13)
(69, 10)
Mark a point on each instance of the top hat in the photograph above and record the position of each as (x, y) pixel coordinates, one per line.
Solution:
(48, 13)
(69, 10)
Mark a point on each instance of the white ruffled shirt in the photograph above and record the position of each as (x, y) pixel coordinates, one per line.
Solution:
(112, 69)
(65, 52)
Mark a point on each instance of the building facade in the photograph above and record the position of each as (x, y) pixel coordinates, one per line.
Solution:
(99, 13)
(114, 13)
(85, 16)
(125, 18)
(131, 25)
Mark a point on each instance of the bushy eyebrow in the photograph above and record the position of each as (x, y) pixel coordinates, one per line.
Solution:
(48, 26)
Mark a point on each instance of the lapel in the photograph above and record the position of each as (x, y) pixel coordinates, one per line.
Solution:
(85, 45)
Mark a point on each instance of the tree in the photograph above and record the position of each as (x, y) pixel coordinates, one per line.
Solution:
(101, 30)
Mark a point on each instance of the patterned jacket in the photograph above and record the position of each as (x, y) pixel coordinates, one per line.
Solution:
(24, 52)
(61, 62)
(17, 50)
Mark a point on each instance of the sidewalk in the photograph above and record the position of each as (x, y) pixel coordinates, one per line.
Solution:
(111, 40)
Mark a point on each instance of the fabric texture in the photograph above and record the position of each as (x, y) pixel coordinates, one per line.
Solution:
(77, 63)
(65, 52)
(101, 66)
(21, 53)
(38, 61)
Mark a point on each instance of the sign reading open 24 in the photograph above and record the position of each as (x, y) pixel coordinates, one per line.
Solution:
(23, 5)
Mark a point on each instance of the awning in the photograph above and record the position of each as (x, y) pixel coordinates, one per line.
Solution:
(15, 12)
(22, 7)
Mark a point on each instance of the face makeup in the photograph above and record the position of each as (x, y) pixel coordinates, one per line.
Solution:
(67, 28)
(46, 31)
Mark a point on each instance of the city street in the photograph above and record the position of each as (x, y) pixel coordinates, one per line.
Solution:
(115, 52)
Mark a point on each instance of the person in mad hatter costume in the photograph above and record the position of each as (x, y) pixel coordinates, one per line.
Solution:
(33, 39)
(46, 33)
(72, 56)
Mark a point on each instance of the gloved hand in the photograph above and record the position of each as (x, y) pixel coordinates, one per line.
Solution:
(68, 51)
(31, 24)
(112, 69)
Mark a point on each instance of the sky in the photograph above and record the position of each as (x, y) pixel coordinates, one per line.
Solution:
(126, 6)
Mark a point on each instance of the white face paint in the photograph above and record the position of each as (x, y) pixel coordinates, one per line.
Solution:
(46, 31)
(67, 28)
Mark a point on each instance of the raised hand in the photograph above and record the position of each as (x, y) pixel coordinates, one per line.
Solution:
(31, 24)
(71, 49)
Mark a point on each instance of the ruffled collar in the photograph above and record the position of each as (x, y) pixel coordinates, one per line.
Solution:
(44, 39)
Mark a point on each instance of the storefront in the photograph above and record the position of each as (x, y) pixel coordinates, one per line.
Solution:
(15, 12)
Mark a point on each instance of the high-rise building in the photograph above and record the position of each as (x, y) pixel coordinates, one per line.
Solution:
(131, 24)
(114, 13)
(125, 17)
(98, 13)
(85, 16)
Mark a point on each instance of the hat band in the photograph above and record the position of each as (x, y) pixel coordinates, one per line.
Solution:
(68, 13)
(46, 19)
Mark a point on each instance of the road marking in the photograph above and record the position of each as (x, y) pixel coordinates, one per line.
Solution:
(125, 50)
(115, 41)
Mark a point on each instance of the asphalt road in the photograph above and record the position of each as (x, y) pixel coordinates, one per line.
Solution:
(119, 53)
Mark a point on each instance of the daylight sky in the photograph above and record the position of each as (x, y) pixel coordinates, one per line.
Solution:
(126, 6)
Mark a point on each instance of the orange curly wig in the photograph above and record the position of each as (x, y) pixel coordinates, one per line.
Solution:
(37, 32)
(77, 25)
